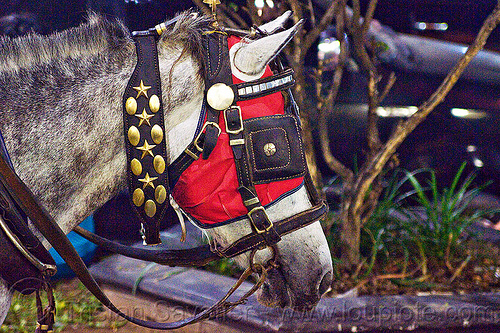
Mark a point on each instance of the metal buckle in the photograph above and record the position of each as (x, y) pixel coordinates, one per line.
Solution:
(191, 154)
(241, 120)
(200, 149)
(259, 231)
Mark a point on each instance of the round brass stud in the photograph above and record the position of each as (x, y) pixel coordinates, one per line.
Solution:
(157, 134)
(154, 104)
(134, 136)
(159, 164)
(150, 208)
(136, 166)
(220, 96)
(160, 194)
(138, 197)
(269, 149)
(131, 106)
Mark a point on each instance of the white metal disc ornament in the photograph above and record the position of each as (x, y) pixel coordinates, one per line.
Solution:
(220, 96)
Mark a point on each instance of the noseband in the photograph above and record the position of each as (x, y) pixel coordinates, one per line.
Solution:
(266, 150)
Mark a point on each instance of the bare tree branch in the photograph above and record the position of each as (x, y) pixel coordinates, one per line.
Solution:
(327, 18)
(253, 13)
(359, 40)
(311, 12)
(368, 17)
(372, 135)
(376, 164)
(239, 24)
(327, 104)
(388, 86)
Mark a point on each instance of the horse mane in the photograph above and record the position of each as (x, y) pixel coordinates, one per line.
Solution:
(89, 39)
(188, 32)
(95, 37)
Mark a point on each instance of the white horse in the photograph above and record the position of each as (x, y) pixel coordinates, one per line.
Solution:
(61, 105)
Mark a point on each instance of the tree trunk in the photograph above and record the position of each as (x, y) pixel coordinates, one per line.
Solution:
(350, 230)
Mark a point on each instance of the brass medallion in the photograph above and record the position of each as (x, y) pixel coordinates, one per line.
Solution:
(220, 96)
(134, 136)
(131, 106)
(159, 164)
(138, 197)
(150, 208)
(157, 134)
(269, 149)
(154, 104)
(136, 167)
(160, 194)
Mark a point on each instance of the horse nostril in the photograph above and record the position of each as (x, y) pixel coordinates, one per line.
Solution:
(325, 284)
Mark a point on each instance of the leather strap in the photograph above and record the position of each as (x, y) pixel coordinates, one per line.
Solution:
(256, 212)
(281, 227)
(197, 256)
(45, 316)
(218, 70)
(201, 255)
(24, 262)
(144, 139)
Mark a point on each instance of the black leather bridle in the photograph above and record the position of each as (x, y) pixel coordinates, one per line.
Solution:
(16, 199)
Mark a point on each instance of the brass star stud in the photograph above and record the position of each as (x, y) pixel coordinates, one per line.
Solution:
(148, 181)
(144, 117)
(146, 149)
(142, 90)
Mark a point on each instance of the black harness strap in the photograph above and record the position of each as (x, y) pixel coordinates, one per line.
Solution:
(201, 255)
(256, 212)
(218, 70)
(144, 139)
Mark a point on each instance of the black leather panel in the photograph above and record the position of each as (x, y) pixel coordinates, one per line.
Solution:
(274, 148)
(147, 74)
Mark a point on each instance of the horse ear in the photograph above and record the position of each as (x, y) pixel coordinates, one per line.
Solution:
(251, 58)
(276, 24)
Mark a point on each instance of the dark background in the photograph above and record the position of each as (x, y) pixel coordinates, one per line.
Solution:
(442, 142)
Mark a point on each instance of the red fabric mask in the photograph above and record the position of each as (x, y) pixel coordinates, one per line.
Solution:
(207, 190)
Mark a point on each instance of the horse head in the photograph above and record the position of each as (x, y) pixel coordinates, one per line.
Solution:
(304, 271)
(63, 126)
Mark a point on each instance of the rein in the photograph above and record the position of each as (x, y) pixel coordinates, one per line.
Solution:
(151, 181)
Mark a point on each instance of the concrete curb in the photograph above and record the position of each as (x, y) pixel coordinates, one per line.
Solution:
(191, 290)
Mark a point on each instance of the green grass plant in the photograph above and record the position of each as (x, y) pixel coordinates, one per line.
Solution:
(440, 216)
(418, 226)
(75, 306)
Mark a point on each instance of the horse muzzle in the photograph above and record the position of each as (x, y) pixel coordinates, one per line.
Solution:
(276, 291)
